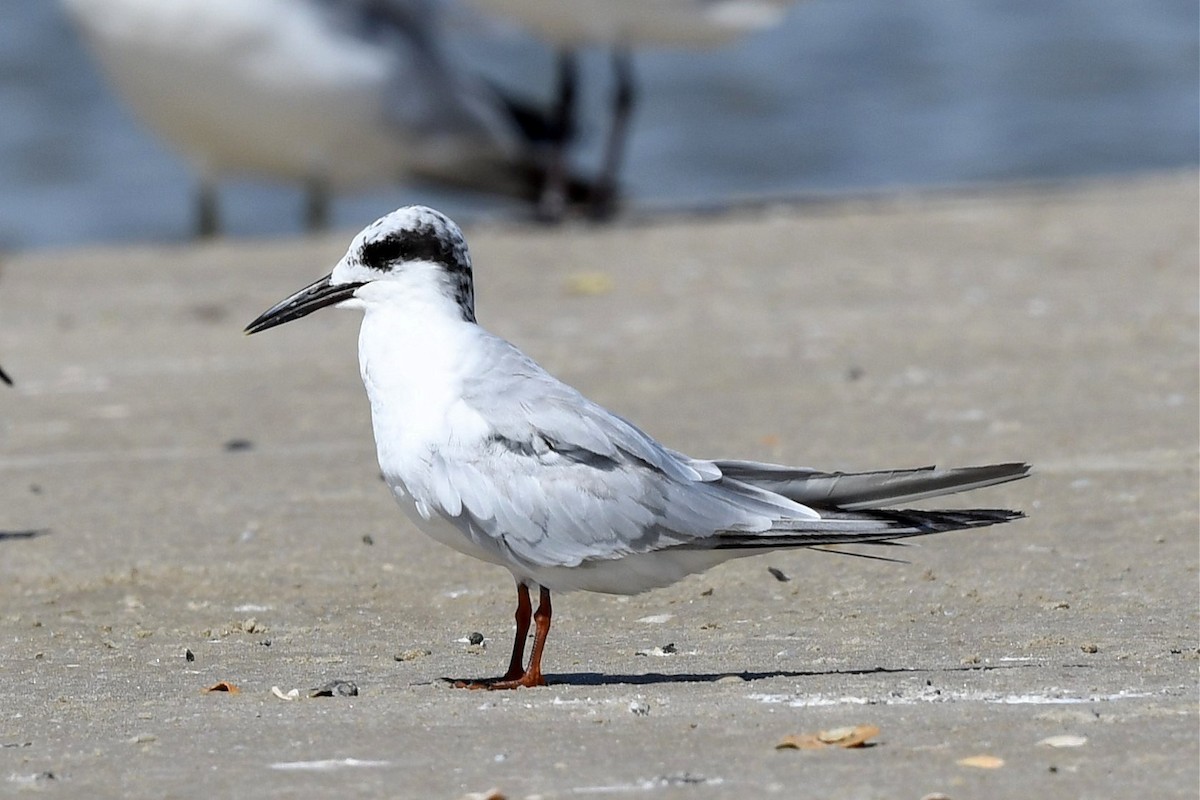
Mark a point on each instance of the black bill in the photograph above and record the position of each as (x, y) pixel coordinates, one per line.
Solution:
(312, 297)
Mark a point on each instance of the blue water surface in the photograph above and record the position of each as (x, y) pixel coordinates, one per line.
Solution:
(845, 96)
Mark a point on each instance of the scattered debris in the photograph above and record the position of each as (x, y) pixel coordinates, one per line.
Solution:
(656, 619)
(731, 679)
(981, 762)
(1064, 740)
(707, 592)
(412, 655)
(849, 736)
(639, 707)
(335, 689)
(778, 574)
(238, 445)
(143, 738)
(327, 764)
(251, 625)
(293, 694)
(188, 655)
(34, 778)
(368, 539)
(475, 638)
(223, 686)
(589, 283)
(1089, 648)
(685, 779)
(666, 650)
(490, 794)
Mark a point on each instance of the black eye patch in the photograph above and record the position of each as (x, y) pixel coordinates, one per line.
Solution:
(421, 244)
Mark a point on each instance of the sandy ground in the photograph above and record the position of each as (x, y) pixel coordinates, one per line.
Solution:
(196, 491)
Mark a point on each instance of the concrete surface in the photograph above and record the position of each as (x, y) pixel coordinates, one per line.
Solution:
(197, 490)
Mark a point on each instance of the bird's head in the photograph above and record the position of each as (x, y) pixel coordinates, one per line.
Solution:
(414, 252)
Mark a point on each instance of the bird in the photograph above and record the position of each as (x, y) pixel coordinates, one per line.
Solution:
(618, 26)
(489, 454)
(334, 94)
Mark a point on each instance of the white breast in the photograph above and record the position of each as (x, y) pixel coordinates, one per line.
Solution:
(412, 366)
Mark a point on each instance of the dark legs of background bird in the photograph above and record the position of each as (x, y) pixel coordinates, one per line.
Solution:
(208, 215)
(552, 204)
(316, 204)
(518, 675)
(208, 209)
(604, 204)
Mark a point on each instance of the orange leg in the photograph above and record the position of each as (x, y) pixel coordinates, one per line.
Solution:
(517, 676)
(516, 665)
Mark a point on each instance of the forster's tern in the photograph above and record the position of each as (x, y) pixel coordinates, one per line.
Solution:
(335, 94)
(619, 25)
(489, 454)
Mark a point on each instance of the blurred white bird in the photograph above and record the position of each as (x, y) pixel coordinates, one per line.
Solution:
(619, 25)
(492, 456)
(332, 93)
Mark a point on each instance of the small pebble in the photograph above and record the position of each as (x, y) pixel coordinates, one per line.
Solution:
(189, 655)
(368, 539)
(475, 638)
(238, 445)
(335, 689)
(1089, 648)
(1064, 740)
(412, 655)
(639, 708)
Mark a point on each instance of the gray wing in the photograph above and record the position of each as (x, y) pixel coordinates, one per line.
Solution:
(561, 480)
(431, 99)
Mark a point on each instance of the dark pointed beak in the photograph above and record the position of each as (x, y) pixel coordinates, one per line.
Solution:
(312, 297)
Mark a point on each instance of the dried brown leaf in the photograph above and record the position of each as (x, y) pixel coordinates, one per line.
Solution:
(855, 736)
(800, 741)
(222, 686)
(848, 736)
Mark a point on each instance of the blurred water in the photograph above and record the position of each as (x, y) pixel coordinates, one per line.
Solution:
(846, 95)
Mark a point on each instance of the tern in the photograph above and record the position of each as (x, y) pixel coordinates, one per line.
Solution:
(619, 25)
(335, 94)
(491, 455)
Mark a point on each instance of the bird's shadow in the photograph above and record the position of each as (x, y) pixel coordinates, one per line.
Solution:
(652, 678)
(30, 534)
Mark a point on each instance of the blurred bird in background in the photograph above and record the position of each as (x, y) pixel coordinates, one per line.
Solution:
(335, 94)
(619, 25)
